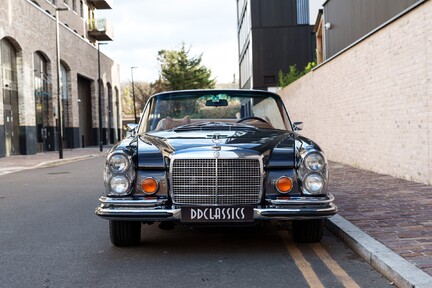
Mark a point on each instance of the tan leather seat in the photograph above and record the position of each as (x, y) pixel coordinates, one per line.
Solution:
(170, 123)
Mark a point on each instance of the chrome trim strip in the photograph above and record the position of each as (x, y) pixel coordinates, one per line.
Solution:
(138, 212)
(265, 211)
(303, 213)
(127, 202)
(304, 200)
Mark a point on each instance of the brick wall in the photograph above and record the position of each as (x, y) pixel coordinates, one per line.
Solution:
(371, 106)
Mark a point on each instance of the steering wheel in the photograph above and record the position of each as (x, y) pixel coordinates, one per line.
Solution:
(252, 118)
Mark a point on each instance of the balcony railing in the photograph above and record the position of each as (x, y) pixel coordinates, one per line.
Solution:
(101, 4)
(100, 29)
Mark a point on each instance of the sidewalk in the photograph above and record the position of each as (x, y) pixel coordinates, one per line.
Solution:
(394, 212)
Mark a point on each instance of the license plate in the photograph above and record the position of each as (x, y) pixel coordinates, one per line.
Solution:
(217, 214)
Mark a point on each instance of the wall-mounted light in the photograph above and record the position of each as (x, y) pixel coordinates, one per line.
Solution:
(328, 26)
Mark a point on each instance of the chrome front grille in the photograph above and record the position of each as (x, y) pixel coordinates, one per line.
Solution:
(216, 181)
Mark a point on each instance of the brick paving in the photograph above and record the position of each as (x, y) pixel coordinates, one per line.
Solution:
(396, 212)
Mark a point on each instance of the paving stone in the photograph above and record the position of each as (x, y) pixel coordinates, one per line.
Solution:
(394, 211)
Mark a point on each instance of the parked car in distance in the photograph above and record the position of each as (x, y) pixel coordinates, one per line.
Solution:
(215, 157)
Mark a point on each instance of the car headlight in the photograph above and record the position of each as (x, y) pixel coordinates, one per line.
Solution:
(314, 162)
(313, 172)
(119, 174)
(119, 185)
(118, 163)
(313, 184)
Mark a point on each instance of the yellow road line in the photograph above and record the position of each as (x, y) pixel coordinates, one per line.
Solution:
(334, 267)
(301, 262)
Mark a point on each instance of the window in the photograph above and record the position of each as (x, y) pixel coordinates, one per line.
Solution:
(9, 76)
(82, 9)
(54, 2)
(302, 12)
(8, 64)
(240, 5)
(244, 29)
(245, 68)
(64, 94)
(74, 5)
(43, 97)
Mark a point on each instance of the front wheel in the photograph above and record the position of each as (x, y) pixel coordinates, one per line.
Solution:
(125, 233)
(308, 231)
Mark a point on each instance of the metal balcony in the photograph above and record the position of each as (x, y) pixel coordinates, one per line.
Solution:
(100, 29)
(101, 4)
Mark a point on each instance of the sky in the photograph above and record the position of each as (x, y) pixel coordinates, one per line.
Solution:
(143, 27)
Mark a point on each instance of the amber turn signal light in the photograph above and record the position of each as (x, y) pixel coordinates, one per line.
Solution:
(149, 186)
(284, 184)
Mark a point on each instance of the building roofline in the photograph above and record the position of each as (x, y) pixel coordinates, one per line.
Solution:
(318, 20)
(388, 22)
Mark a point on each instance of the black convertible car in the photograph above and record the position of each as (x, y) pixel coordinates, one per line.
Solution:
(215, 157)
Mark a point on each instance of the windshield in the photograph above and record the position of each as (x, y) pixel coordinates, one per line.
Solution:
(236, 108)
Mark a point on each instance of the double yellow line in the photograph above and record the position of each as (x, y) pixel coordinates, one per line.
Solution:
(306, 268)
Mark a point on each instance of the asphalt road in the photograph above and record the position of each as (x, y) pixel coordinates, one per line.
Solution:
(50, 237)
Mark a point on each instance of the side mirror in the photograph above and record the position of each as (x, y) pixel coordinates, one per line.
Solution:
(298, 126)
(131, 129)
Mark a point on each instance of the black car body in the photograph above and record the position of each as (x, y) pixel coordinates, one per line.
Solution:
(224, 157)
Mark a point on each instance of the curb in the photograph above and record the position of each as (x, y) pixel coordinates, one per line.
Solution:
(50, 163)
(67, 160)
(402, 273)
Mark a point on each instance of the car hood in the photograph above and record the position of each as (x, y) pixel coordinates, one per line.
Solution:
(276, 147)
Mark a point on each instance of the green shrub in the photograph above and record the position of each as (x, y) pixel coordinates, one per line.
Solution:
(287, 78)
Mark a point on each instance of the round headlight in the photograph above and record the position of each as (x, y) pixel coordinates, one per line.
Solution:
(314, 162)
(119, 185)
(118, 163)
(314, 183)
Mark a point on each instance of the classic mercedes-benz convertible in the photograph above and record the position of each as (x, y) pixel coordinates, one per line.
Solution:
(215, 157)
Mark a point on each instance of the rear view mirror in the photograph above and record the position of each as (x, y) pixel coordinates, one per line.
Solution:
(220, 102)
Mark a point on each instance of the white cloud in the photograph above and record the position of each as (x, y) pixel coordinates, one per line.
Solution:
(143, 27)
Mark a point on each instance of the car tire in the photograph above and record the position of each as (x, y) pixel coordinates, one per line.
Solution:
(308, 231)
(125, 233)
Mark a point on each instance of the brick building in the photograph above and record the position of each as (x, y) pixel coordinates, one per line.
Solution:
(28, 61)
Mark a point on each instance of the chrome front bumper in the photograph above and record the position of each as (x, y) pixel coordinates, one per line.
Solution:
(297, 208)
